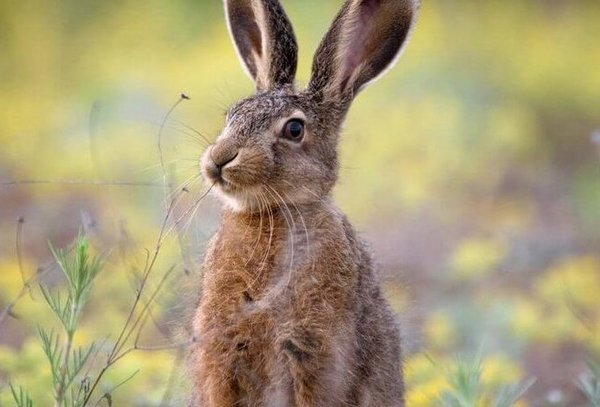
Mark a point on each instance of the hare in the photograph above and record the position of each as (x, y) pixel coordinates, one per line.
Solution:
(291, 312)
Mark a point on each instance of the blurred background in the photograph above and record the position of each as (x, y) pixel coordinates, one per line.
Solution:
(472, 168)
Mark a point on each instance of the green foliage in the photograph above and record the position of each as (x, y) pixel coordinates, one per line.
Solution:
(510, 394)
(465, 384)
(21, 397)
(80, 272)
(467, 390)
(590, 385)
(66, 360)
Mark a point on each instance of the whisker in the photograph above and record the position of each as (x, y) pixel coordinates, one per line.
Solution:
(271, 226)
(205, 138)
(190, 209)
(153, 166)
(191, 135)
(187, 226)
(190, 140)
(305, 228)
(258, 234)
(290, 227)
(262, 201)
(323, 200)
(183, 187)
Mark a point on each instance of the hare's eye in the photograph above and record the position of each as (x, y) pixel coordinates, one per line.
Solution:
(293, 130)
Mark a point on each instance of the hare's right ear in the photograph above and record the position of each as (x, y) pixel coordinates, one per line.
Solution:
(264, 40)
(364, 41)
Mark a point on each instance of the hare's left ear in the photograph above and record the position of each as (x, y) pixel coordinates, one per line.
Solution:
(366, 39)
(264, 40)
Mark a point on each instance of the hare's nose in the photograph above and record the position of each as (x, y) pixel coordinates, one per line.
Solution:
(223, 160)
(222, 154)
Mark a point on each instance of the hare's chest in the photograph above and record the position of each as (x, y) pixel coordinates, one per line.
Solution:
(259, 263)
(249, 292)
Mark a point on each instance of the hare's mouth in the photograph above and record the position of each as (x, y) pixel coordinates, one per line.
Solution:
(237, 197)
(219, 178)
(231, 187)
(233, 181)
(227, 186)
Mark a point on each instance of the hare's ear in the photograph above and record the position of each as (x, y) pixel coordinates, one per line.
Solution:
(366, 39)
(265, 41)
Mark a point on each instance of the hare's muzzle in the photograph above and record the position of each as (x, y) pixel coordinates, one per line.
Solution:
(216, 159)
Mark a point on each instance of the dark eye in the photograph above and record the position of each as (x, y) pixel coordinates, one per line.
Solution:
(294, 130)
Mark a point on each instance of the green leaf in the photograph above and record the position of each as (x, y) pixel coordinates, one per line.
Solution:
(595, 368)
(56, 305)
(78, 361)
(590, 387)
(21, 397)
(464, 380)
(53, 352)
(509, 395)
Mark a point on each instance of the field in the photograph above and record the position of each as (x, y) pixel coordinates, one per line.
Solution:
(472, 168)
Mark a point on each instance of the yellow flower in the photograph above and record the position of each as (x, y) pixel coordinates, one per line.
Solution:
(498, 370)
(477, 257)
(425, 381)
(439, 331)
(526, 319)
(426, 394)
(572, 282)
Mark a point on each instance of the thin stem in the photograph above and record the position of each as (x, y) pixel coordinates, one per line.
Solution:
(159, 141)
(24, 289)
(124, 334)
(79, 182)
(18, 240)
(60, 390)
(27, 282)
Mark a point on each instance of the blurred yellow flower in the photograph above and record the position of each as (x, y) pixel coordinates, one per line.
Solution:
(498, 370)
(425, 381)
(511, 129)
(475, 258)
(439, 331)
(426, 394)
(526, 318)
(565, 305)
(29, 368)
(572, 282)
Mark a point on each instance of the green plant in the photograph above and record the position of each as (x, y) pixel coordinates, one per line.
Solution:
(66, 360)
(21, 397)
(590, 385)
(467, 389)
(77, 374)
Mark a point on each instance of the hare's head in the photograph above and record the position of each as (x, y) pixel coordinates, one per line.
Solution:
(280, 145)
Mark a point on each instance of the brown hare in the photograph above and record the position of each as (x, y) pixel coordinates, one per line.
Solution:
(291, 312)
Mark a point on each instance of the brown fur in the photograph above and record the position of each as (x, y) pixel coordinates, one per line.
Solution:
(291, 312)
